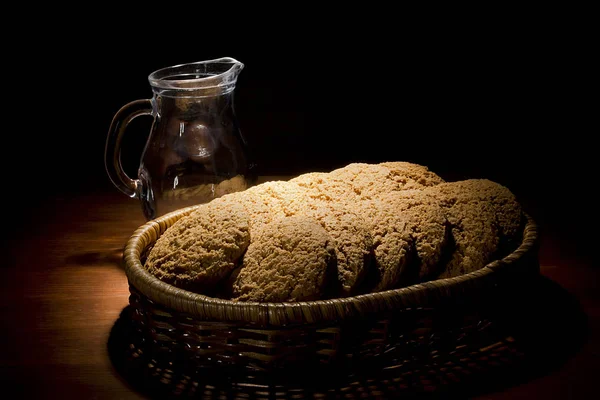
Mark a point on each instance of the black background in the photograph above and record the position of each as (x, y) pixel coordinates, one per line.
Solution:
(508, 102)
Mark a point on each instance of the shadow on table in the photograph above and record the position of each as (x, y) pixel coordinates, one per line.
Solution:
(549, 327)
(112, 257)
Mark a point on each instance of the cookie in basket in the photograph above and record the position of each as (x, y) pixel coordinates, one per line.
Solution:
(410, 233)
(358, 181)
(485, 218)
(202, 248)
(289, 259)
(271, 200)
(352, 242)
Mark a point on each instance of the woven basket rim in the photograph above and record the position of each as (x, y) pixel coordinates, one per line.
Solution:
(281, 314)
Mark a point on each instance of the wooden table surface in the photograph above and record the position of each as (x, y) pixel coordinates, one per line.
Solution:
(63, 289)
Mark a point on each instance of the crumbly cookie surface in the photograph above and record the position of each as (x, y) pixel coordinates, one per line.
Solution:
(202, 248)
(410, 232)
(359, 181)
(291, 259)
(343, 221)
(272, 200)
(351, 240)
(485, 219)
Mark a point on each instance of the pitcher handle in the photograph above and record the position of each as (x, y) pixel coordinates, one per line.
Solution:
(112, 151)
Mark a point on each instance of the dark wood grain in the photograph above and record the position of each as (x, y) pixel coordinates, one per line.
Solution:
(63, 287)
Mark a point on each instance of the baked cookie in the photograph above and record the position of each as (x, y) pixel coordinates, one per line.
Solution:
(359, 181)
(411, 176)
(410, 232)
(200, 249)
(351, 240)
(485, 220)
(271, 200)
(289, 259)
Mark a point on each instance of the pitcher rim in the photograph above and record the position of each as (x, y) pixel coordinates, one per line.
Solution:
(159, 78)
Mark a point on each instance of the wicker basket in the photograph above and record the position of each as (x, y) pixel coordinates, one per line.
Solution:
(429, 331)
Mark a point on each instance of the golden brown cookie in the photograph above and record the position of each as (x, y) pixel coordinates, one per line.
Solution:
(485, 219)
(410, 233)
(271, 200)
(202, 248)
(351, 240)
(359, 181)
(289, 259)
(411, 176)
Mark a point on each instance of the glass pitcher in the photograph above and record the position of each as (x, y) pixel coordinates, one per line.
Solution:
(195, 151)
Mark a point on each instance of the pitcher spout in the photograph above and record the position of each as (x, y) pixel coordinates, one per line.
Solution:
(198, 79)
